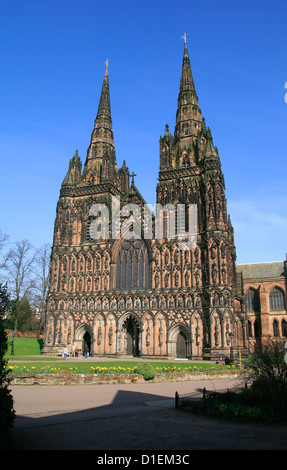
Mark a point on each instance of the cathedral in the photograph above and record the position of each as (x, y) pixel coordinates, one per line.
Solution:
(119, 286)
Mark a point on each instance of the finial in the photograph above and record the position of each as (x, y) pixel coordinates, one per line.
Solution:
(107, 64)
(184, 37)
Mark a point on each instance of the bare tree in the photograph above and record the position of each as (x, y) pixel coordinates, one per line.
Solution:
(19, 266)
(3, 243)
(42, 281)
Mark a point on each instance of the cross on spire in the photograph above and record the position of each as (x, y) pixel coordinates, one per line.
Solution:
(184, 37)
(133, 177)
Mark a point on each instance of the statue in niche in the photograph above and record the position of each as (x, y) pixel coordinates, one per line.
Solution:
(156, 280)
(176, 257)
(176, 279)
(213, 251)
(189, 302)
(171, 301)
(156, 258)
(166, 258)
(214, 273)
(148, 335)
(216, 333)
(111, 335)
(180, 301)
(160, 335)
(99, 337)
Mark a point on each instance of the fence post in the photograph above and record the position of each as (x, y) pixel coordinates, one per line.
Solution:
(176, 399)
(204, 392)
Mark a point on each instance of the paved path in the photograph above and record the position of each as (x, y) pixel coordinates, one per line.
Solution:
(128, 417)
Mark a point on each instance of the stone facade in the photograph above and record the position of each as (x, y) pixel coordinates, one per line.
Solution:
(141, 294)
(265, 289)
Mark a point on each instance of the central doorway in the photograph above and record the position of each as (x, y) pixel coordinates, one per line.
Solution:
(86, 344)
(181, 350)
(131, 337)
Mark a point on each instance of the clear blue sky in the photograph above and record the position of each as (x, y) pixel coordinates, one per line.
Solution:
(52, 60)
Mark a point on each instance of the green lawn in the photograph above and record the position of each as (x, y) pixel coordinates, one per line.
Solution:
(24, 347)
(27, 359)
(110, 367)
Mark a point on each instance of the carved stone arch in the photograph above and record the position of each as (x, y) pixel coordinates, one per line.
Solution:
(180, 341)
(84, 339)
(129, 335)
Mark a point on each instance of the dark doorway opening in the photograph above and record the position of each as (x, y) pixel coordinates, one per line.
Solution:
(181, 345)
(87, 344)
(132, 337)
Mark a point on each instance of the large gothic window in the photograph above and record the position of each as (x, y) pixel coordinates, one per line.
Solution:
(133, 265)
(277, 299)
(252, 300)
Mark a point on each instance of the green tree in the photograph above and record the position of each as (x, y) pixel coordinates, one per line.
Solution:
(6, 400)
(26, 320)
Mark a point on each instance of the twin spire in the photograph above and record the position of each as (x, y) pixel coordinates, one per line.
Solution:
(189, 121)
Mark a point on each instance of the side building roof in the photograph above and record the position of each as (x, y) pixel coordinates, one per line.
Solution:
(260, 271)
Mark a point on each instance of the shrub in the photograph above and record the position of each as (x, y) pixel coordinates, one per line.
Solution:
(6, 399)
(146, 370)
(267, 373)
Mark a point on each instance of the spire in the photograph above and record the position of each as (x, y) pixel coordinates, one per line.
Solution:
(102, 146)
(104, 108)
(188, 116)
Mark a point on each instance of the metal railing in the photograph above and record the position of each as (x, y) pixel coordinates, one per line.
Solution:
(202, 394)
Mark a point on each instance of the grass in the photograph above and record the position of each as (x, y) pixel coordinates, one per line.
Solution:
(24, 347)
(110, 367)
(27, 359)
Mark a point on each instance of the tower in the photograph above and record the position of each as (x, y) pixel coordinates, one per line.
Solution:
(139, 292)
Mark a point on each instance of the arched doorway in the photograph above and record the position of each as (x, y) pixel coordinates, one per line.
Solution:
(131, 331)
(86, 343)
(181, 345)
